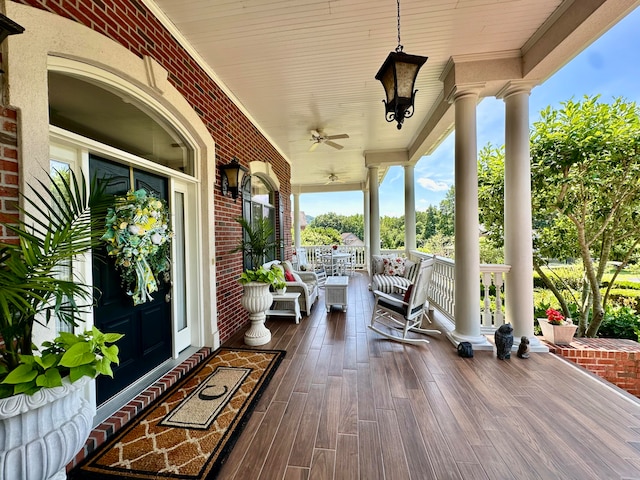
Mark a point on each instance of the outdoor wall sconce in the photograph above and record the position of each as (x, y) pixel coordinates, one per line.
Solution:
(8, 27)
(231, 177)
(398, 76)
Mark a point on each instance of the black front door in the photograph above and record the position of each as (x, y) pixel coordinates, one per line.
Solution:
(146, 327)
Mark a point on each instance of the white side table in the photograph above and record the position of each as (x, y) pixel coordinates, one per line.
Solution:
(286, 305)
(336, 292)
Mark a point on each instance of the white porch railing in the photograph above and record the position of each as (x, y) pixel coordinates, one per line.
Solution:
(360, 253)
(441, 293)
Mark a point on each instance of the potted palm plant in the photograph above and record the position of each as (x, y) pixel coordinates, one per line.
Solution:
(256, 243)
(44, 387)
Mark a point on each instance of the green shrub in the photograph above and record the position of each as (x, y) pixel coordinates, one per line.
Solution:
(625, 298)
(620, 322)
(623, 284)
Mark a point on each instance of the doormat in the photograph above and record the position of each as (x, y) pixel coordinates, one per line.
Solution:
(187, 433)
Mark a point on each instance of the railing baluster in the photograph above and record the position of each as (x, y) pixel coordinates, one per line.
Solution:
(487, 319)
(499, 316)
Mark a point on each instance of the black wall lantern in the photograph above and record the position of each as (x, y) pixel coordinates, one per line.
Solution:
(231, 177)
(8, 27)
(398, 76)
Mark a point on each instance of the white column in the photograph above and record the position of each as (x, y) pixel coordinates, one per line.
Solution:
(296, 220)
(518, 238)
(374, 211)
(467, 227)
(409, 208)
(367, 227)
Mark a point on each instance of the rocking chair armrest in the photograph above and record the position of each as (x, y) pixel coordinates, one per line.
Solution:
(389, 298)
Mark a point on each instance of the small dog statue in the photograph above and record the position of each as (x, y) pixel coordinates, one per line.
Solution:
(523, 348)
(504, 341)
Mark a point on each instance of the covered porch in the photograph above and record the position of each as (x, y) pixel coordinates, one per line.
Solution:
(346, 403)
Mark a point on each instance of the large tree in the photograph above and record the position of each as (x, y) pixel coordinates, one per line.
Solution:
(586, 193)
(586, 169)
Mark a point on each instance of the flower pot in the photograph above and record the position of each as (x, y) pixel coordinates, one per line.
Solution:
(41, 433)
(256, 300)
(557, 334)
(281, 291)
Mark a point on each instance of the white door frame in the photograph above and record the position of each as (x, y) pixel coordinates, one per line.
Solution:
(75, 149)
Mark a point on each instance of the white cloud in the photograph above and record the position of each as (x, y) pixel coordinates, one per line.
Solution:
(433, 185)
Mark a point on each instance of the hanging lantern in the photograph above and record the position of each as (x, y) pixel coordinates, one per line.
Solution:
(398, 76)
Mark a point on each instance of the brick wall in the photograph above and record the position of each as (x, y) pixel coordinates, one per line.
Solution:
(8, 170)
(131, 24)
(615, 360)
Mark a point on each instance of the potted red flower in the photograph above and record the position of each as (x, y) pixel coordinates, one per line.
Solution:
(554, 317)
(556, 328)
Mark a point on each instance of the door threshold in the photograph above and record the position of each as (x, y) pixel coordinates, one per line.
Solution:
(115, 403)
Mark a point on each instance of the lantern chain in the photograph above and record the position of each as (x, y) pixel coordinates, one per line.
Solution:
(399, 47)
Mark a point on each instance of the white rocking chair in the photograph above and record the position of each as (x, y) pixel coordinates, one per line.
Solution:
(405, 314)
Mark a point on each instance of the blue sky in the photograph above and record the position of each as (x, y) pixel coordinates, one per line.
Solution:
(609, 67)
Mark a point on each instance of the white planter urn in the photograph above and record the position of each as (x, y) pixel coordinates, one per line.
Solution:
(41, 433)
(256, 300)
(558, 334)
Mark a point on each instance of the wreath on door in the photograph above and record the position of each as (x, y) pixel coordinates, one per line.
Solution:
(138, 236)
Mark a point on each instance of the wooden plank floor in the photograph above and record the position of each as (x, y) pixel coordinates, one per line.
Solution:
(348, 404)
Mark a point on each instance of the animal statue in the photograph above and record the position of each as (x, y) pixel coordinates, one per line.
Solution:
(523, 348)
(504, 341)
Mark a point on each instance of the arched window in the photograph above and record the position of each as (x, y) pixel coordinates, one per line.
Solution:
(258, 201)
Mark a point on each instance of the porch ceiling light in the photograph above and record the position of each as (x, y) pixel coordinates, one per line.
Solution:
(231, 177)
(398, 76)
(8, 27)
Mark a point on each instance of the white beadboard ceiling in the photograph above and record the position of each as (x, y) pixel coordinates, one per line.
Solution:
(301, 65)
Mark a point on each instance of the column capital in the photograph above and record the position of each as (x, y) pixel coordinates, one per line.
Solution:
(464, 90)
(514, 87)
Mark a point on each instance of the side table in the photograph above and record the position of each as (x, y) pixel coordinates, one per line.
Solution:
(336, 292)
(286, 305)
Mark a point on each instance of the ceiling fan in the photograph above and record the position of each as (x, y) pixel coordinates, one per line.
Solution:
(317, 138)
(333, 178)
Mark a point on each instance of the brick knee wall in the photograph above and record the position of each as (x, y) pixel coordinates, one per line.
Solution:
(615, 360)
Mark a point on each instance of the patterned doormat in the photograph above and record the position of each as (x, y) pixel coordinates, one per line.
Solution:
(187, 432)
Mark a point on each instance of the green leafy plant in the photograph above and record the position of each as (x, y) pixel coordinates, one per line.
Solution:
(64, 219)
(71, 355)
(262, 275)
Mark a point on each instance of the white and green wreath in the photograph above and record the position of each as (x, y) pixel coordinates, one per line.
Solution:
(138, 236)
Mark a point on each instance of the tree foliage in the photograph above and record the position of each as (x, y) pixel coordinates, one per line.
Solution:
(434, 220)
(585, 194)
(320, 236)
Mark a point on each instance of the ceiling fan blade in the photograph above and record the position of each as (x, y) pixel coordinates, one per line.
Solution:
(333, 144)
(313, 146)
(336, 137)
